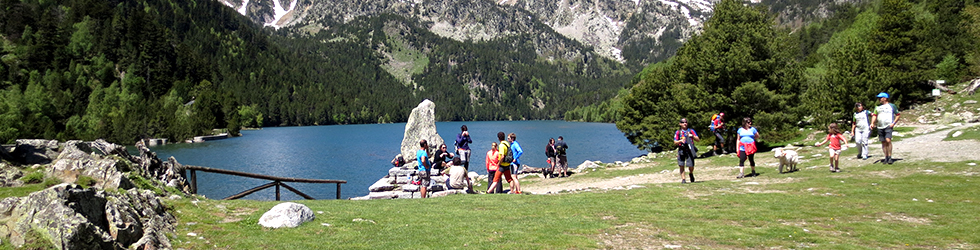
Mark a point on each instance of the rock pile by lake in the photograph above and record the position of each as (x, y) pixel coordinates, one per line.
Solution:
(107, 199)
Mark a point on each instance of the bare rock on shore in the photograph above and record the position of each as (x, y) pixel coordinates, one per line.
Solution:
(421, 125)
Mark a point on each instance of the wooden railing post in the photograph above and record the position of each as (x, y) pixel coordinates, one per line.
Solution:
(193, 181)
(338, 190)
(277, 190)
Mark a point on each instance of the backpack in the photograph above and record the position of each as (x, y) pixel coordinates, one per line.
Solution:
(711, 124)
(509, 157)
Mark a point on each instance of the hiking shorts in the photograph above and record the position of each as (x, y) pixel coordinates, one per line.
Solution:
(833, 152)
(884, 133)
(718, 138)
(424, 178)
(685, 159)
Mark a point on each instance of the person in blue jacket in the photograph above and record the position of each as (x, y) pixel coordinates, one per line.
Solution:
(517, 152)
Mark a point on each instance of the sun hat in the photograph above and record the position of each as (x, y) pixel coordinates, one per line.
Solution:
(882, 94)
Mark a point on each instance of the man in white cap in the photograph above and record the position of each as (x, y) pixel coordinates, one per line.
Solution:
(886, 115)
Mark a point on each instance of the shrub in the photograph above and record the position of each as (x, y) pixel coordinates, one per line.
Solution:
(85, 181)
(33, 177)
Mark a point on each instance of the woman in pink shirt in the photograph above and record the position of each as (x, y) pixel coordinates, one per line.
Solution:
(492, 165)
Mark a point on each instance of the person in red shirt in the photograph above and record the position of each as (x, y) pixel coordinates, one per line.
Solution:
(835, 138)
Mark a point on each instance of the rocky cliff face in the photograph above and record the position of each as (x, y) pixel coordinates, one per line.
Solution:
(645, 29)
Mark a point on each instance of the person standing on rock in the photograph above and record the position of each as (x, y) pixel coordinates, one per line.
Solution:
(422, 157)
(492, 166)
(684, 138)
(861, 129)
(562, 159)
(518, 151)
(505, 157)
(886, 115)
(747, 135)
(463, 147)
(549, 151)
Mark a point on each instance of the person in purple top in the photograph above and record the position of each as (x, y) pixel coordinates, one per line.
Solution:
(463, 147)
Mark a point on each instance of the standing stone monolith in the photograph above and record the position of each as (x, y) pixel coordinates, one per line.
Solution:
(421, 125)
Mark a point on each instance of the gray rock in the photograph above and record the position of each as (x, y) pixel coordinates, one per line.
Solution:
(588, 165)
(410, 188)
(382, 195)
(383, 184)
(421, 125)
(400, 171)
(970, 102)
(409, 195)
(287, 214)
(447, 192)
(69, 216)
(35, 151)
(957, 134)
(124, 222)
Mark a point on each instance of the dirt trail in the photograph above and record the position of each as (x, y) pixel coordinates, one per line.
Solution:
(925, 144)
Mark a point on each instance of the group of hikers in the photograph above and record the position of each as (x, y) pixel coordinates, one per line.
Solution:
(503, 161)
(883, 117)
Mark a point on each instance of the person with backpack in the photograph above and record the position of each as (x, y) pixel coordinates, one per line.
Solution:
(684, 138)
(861, 129)
(561, 158)
(718, 127)
(463, 147)
(506, 156)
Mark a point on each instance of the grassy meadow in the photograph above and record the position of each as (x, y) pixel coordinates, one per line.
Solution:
(906, 205)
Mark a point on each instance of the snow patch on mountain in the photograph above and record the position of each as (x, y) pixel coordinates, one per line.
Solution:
(243, 8)
(280, 12)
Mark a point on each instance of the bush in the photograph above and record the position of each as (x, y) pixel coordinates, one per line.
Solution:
(85, 181)
(33, 177)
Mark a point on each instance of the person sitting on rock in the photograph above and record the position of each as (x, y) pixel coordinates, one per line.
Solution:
(441, 158)
(458, 177)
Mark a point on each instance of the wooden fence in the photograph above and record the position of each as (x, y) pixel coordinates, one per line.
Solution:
(276, 181)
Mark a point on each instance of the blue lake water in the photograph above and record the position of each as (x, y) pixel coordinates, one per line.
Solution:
(360, 154)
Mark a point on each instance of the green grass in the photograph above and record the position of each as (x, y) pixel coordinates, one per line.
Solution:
(867, 207)
(971, 133)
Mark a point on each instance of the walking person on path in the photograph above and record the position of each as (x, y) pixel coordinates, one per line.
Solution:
(835, 138)
(422, 157)
(562, 159)
(549, 151)
(505, 156)
(747, 135)
(861, 129)
(518, 151)
(718, 127)
(463, 147)
(684, 138)
(886, 115)
(492, 165)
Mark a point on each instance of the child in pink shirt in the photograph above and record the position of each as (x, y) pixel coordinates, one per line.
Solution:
(835, 138)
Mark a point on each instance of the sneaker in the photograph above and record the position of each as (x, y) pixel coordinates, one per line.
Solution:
(683, 181)
(837, 170)
(740, 176)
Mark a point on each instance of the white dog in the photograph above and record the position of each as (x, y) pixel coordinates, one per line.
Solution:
(787, 158)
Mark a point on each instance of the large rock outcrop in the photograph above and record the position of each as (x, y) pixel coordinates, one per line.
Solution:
(421, 125)
(72, 217)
